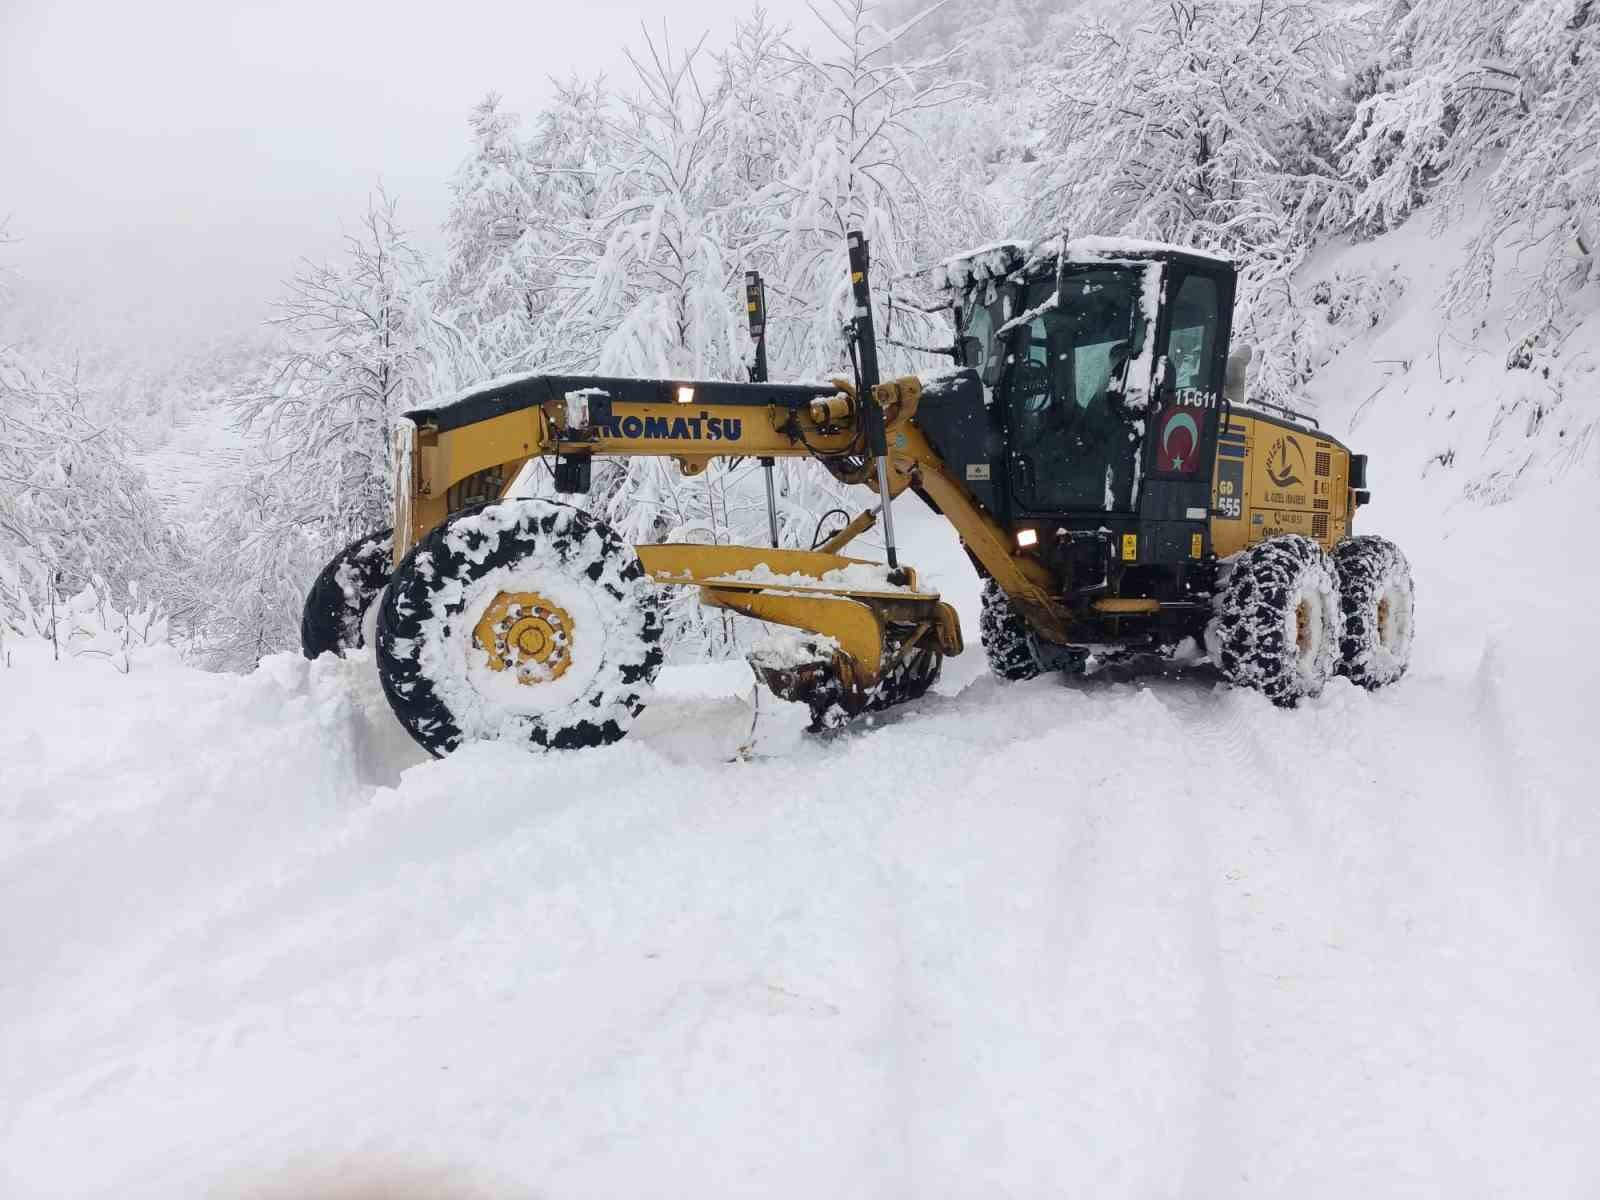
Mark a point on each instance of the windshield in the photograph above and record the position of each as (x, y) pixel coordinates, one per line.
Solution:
(1066, 358)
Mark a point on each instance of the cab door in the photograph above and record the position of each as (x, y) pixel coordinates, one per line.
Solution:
(1191, 362)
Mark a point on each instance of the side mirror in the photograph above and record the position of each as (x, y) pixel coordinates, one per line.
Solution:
(1165, 383)
(1238, 374)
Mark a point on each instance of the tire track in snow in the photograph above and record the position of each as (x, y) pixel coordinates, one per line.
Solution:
(1078, 866)
(1214, 1166)
(1362, 854)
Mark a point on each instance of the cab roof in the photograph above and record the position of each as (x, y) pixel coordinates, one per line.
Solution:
(997, 260)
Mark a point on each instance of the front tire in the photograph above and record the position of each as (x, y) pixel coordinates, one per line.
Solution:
(524, 620)
(1277, 624)
(1377, 600)
(336, 608)
(1007, 644)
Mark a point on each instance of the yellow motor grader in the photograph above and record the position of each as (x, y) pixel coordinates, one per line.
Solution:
(1091, 447)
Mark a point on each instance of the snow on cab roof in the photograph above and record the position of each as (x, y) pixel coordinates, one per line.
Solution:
(998, 259)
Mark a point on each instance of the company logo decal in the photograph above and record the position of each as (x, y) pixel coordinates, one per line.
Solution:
(702, 428)
(1281, 460)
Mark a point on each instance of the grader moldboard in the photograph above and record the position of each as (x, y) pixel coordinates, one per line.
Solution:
(1091, 448)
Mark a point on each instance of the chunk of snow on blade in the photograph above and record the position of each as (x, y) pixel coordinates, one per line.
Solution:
(866, 577)
(788, 648)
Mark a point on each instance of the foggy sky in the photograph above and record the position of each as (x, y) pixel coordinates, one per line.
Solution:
(167, 161)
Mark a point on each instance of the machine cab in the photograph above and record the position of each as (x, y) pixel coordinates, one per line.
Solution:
(1078, 344)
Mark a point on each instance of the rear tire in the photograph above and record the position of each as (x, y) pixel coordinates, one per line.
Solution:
(1377, 600)
(1007, 643)
(343, 594)
(523, 620)
(1277, 620)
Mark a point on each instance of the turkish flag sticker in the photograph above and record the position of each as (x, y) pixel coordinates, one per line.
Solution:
(1178, 439)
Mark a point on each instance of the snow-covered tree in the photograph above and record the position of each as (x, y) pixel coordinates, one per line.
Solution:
(489, 276)
(251, 586)
(364, 338)
(1181, 129)
(518, 227)
(1196, 129)
(1445, 97)
(1545, 187)
(1508, 87)
(663, 296)
(702, 172)
(75, 509)
(850, 171)
(664, 288)
(755, 79)
(353, 362)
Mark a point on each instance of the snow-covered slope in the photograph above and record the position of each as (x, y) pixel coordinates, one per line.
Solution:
(198, 454)
(1101, 938)
(1491, 404)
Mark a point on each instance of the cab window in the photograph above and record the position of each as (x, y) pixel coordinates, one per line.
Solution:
(978, 325)
(1193, 337)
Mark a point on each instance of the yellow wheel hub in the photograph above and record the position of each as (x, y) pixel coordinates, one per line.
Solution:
(526, 633)
(1303, 629)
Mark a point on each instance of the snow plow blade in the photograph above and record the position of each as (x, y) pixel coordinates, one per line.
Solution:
(870, 638)
(811, 671)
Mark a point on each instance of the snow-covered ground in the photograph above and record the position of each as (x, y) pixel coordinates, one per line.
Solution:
(1113, 939)
(1110, 939)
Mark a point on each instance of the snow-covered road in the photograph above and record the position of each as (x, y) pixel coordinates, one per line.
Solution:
(1125, 939)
